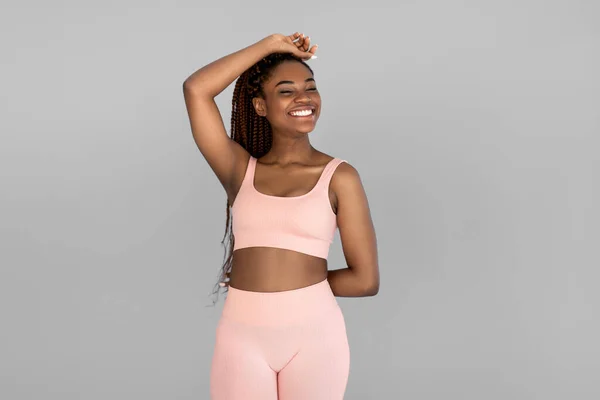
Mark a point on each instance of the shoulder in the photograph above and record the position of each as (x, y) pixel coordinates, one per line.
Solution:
(346, 180)
(345, 173)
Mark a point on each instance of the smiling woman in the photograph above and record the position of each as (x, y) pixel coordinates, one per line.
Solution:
(282, 334)
(297, 96)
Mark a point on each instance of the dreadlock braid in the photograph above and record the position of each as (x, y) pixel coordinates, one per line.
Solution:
(252, 131)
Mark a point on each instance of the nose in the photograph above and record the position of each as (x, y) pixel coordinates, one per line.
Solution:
(304, 99)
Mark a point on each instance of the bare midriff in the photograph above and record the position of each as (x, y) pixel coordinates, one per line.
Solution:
(268, 269)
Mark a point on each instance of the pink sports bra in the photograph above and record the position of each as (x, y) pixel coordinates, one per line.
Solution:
(303, 223)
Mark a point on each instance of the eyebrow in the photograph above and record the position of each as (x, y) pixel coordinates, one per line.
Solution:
(292, 82)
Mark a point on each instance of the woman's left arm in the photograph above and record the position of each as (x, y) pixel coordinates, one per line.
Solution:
(357, 234)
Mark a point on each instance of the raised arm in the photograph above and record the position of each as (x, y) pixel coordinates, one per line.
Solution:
(200, 89)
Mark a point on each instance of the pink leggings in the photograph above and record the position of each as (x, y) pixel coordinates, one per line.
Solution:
(289, 345)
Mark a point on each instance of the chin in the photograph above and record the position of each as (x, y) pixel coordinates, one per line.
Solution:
(298, 128)
(306, 130)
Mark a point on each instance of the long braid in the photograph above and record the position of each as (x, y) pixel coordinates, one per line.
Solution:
(252, 131)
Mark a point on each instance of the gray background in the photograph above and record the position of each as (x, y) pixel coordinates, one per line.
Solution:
(474, 126)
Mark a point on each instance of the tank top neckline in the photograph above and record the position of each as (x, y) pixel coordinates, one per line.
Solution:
(321, 177)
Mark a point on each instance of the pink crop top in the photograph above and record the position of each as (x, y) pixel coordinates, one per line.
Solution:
(304, 223)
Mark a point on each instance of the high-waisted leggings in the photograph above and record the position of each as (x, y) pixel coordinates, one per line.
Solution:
(289, 345)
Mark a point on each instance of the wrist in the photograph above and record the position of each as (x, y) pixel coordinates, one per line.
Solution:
(269, 44)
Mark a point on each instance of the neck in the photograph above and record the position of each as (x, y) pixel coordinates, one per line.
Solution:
(287, 150)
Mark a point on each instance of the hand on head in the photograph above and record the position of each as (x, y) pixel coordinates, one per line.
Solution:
(296, 43)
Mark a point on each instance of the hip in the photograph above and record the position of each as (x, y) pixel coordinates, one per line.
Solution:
(300, 306)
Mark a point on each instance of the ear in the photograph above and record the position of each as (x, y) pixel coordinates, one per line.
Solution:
(259, 106)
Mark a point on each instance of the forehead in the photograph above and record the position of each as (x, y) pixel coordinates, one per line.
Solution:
(289, 71)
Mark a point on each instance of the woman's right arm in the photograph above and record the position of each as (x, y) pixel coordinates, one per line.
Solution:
(222, 154)
(225, 156)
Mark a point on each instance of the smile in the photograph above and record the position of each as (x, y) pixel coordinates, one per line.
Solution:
(301, 113)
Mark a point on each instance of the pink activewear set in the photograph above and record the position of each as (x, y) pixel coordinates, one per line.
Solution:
(288, 345)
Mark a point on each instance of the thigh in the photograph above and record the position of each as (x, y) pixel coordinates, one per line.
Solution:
(238, 369)
(320, 369)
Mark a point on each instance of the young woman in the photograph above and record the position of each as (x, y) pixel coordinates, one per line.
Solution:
(281, 334)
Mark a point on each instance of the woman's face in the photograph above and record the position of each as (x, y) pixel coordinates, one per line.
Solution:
(292, 102)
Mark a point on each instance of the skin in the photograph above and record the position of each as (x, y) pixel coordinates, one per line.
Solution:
(292, 168)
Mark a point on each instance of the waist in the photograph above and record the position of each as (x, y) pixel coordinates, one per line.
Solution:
(287, 307)
(261, 269)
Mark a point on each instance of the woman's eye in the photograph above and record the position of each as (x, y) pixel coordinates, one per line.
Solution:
(289, 91)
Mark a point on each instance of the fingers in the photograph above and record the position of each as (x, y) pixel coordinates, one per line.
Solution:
(225, 282)
(296, 43)
(299, 41)
(302, 43)
(294, 37)
(311, 50)
(306, 43)
(304, 50)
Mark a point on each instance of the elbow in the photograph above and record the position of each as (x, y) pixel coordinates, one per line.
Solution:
(191, 86)
(373, 286)
(369, 283)
(372, 289)
(197, 90)
(188, 86)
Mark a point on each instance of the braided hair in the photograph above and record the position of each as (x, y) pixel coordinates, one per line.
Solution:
(252, 131)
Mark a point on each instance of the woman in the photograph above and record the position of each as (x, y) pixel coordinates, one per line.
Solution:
(281, 334)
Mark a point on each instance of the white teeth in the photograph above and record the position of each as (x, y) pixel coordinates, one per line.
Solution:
(301, 113)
